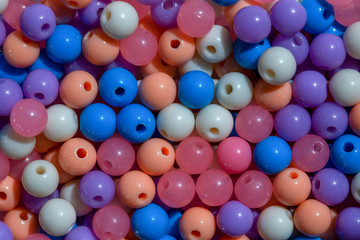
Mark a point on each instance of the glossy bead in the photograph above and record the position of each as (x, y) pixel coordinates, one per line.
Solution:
(164, 13)
(17, 165)
(90, 15)
(3, 5)
(5, 169)
(141, 9)
(350, 36)
(121, 62)
(52, 157)
(353, 119)
(13, 10)
(76, 4)
(37, 236)
(10, 94)
(81, 233)
(10, 72)
(355, 187)
(10, 192)
(5, 231)
(158, 65)
(343, 87)
(44, 62)
(320, 16)
(63, 14)
(34, 204)
(196, 63)
(21, 222)
(347, 223)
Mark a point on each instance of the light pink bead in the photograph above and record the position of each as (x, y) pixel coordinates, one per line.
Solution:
(13, 12)
(5, 166)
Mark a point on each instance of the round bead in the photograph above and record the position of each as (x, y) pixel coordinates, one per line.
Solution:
(355, 187)
(81, 63)
(37, 236)
(34, 204)
(121, 62)
(3, 6)
(320, 16)
(5, 231)
(10, 72)
(158, 65)
(347, 223)
(164, 13)
(52, 157)
(44, 62)
(17, 165)
(10, 94)
(351, 44)
(354, 123)
(81, 233)
(63, 14)
(10, 190)
(90, 15)
(21, 222)
(76, 4)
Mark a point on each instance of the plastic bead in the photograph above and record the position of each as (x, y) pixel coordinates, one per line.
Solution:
(44, 62)
(37, 236)
(10, 72)
(196, 63)
(5, 166)
(90, 15)
(10, 192)
(52, 157)
(21, 222)
(5, 231)
(350, 36)
(164, 13)
(158, 65)
(347, 223)
(13, 10)
(2, 32)
(355, 187)
(17, 166)
(344, 86)
(3, 6)
(10, 94)
(63, 14)
(141, 9)
(320, 16)
(81, 233)
(34, 204)
(336, 29)
(76, 4)
(121, 62)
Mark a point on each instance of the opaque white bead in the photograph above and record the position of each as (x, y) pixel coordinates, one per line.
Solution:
(355, 187)
(351, 40)
(196, 63)
(3, 5)
(344, 87)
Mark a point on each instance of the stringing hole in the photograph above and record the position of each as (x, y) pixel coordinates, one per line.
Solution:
(108, 164)
(358, 193)
(348, 147)
(98, 198)
(214, 131)
(73, 4)
(327, 14)
(293, 175)
(40, 170)
(317, 184)
(98, 12)
(196, 233)
(89, 35)
(297, 40)
(270, 73)
(87, 86)
(39, 96)
(164, 133)
(211, 49)
(24, 216)
(331, 129)
(45, 27)
(318, 147)
(165, 151)
(175, 43)
(228, 88)
(167, 5)
(108, 235)
(81, 153)
(200, 145)
(142, 196)
(166, 184)
(108, 16)
(119, 92)
(246, 179)
(3, 196)
(140, 128)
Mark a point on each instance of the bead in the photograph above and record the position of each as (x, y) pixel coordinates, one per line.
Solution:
(158, 65)
(5, 231)
(44, 62)
(63, 14)
(81, 63)
(81, 233)
(141, 9)
(52, 157)
(21, 222)
(344, 86)
(76, 4)
(348, 63)
(164, 13)
(34, 204)
(196, 63)
(37, 236)
(347, 223)
(121, 62)
(17, 165)
(10, 192)
(7, 71)
(5, 166)
(355, 187)
(13, 10)
(320, 16)
(3, 6)
(10, 94)
(57, 217)
(350, 36)
(336, 29)
(90, 15)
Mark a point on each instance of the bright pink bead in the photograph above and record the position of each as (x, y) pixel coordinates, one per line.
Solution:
(253, 189)
(14, 10)
(194, 155)
(214, 187)
(37, 236)
(17, 166)
(196, 18)
(234, 155)
(254, 123)
(141, 9)
(28, 117)
(4, 166)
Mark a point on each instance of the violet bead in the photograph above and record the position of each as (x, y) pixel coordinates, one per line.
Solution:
(253, 233)
(90, 15)
(5, 232)
(81, 233)
(34, 204)
(10, 94)
(348, 223)
(122, 63)
(165, 12)
(2, 33)
(349, 63)
(81, 63)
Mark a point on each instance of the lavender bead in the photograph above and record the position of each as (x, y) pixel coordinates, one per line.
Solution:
(34, 204)
(348, 223)
(122, 63)
(10, 94)
(349, 63)
(5, 232)
(81, 233)
(165, 12)
(2, 33)
(90, 15)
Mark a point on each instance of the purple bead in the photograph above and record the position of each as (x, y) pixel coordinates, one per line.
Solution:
(2, 33)
(5, 232)
(38, 22)
(96, 189)
(288, 17)
(329, 120)
(292, 122)
(81, 63)
(309, 89)
(34, 204)
(348, 223)
(81, 233)
(330, 186)
(165, 12)
(41, 85)
(79, 25)
(122, 63)
(349, 63)
(10, 94)
(253, 232)
(327, 51)
(308, 65)
(90, 15)
(234, 219)
(252, 24)
(297, 45)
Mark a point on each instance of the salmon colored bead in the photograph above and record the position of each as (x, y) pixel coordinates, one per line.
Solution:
(43, 144)
(78, 89)
(176, 48)
(158, 65)
(77, 156)
(63, 14)
(231, 11)
(156, 156)
(354, 119)
(21, 222)
(136, 189)
(76, 4)
(52, 157)
(157, 91)
(98, 48)
(19, 51)
(10, 193)
(272, 97)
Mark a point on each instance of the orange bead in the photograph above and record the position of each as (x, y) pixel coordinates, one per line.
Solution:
(21, 222)
(43, 144)
(158, 65)
(312, 218)
(156, 156)
(272, 97)
(10, 193)
(19, 51)
(98, 48)
(52, 157)
(231, 11)
(175, 47)
(63, 14)
(354, 119)
(77, 156)
(78, 89)
(76, 4)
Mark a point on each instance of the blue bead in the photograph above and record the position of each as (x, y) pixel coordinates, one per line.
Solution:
(150, 222)
(272, 155)
(118, 87)
(247, 54)
(44, 62)
(345, 154)
(303, 237)
(225, 2)
(174, 220)
(97, 122)
(64, 45)
(135, 123)
(196, 89)
(13, 73)
(336, 29)
(168, 237)
(320, 16)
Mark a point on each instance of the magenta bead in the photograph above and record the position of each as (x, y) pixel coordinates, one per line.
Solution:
(214, 187)
(234, 155)
(5, 166)
(176, 188)
(253, 189)
(14, 10)
(28, 117)
(194, 155)
(17, 166)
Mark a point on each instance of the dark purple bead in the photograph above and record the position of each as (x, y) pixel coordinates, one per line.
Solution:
(165, 12)
(81, 233)
(34, 204)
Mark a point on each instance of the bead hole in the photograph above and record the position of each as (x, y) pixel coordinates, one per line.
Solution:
(228, 89)
(211, 49)
(175, 43)
(119, 91)
(87, 86)
(81, 153)
(317, 184)
(24, 216)
(40, 170)
(246, 179)
(108, 235)
(165, 151)
(98, 12)
(327, 14)
(196, 234)
(89, 35)
(297, 40)
(108, 164)
(270, 73)
(348, 147)
(293, 175)
(108, 16)
(318, 147)
(163, 133)
(166, 184)
(140, 128)
(358, 193)
(39, 96)
(142, 196)
(98, 198)
(167, 5)
(73, 4)
(45, 27)
(331, 129)
(200, 145)
(214, 131)
(3, 196)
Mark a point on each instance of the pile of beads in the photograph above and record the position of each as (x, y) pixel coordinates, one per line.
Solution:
(174, 119)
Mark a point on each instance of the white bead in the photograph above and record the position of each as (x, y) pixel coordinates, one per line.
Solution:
(70, 192)
(214, 123)
(234, 91)
(14, 145)
(216, 45)
(275, 223)
(344, 87)
(57, 217)
(351, 40)
(196, 63)
(40, 178)
(119, 20)
(276, 65)
(355, 187)
(175, 122)
(62, 123)
(3, 5)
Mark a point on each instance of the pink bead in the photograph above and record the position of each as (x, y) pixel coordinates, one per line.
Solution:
(13, 12)
(214, 187)
(310, 153)
(347, 15)
(17, 166)
(115, 156)
(141, 9)
(339, 3)
(140, 48)
(194, 155)
(196, 18)
(176, 188)
(28, 117)
(234, 155)
(254, 123)
(5, 166)
(253, 189)
(37, 236)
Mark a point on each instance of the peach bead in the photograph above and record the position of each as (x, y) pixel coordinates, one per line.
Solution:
(78, 89)
(272, 97)
(354, 119)
(21, 222)
(19, 51)
(158, 65)
(149, 25)
(10, 193)
(43, 144)
(156, 156)
(77, 156)
(98, 48)
(176, 48)
(197, 223)
(136, 189)
(291, 186)
(312, 218)
(52, 157)
(231, 11)
(157, 91)
(63, 14)
(76, 4)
